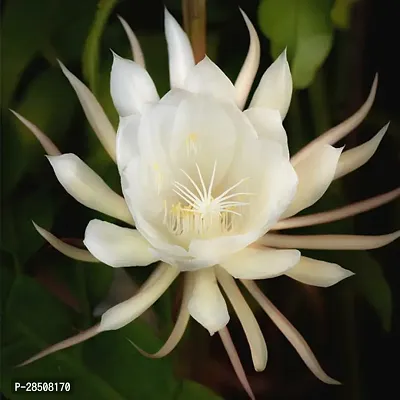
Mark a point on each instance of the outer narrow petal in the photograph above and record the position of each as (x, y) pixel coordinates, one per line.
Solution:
(206, 78)
(268, 124)
(70, 251)
(85, 186)
(315, 174)
(260, 262)
(137, 52)
(94, 113)
(275, 88)
(249, 69)
(352, 159)
(318, 273)
(131, 87)
(291, 334)
(180, 52)
(124, 313)
(116, 246)
(206, 304)
(329, 242)
(49, 147)
(249, 323)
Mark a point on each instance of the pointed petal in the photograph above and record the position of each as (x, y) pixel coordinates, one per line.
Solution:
(70, 251)
(249, 69)
(95, 114)
(116, 246)
(180, 52)
(290, 332)
(246, 317)
(338, 213)
(268, 124)
(275, 88)
(131, 87)
(318, 273)
(85, 186)
(338, 132)
(80, 337)
(127, 140)
(124, 313)
(206, 78)
(260, 262)
(235, 361)
(137, 52)
(206, 304)
(180, 325)
(315, 174)
(328, 242)
(352, 159)
(49, 147)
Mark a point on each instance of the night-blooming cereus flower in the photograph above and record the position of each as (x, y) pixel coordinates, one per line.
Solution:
(205, 183)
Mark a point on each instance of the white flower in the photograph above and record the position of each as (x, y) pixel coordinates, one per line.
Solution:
(204, 182)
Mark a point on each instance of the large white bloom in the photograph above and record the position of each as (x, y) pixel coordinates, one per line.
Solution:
(204, 182)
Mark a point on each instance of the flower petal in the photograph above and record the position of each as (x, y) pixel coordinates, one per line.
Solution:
(180, 54)
(352, 159)
(116, 246)
(137, 52)
(290, 332)
(206, 78)
(275, 88)
(328, 242)
(124, 313)
(315, 174)
(318, 273)
(260, 262)
(249, 69)
(95, 114)
(127, 140)
(70, 251)
(268, 124)
(49, 147)
(206, 304)
(85, 186)
(131, 87)
(246, 317)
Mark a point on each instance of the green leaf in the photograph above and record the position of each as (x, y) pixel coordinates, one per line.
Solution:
(305, 28)
(341, 13)
(194, 391)
(92, 45)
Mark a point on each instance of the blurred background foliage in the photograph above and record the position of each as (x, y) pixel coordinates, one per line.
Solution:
(334, 48)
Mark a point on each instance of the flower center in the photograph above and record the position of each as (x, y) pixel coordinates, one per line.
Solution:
(199, 213)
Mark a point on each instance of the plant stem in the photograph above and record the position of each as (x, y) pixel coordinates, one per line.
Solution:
(194, 22)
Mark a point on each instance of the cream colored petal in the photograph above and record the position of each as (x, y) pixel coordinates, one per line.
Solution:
(70, 251)
(328, 242)
(179, 327)
(249, 69)
(206, 304)
(49, 147)
(180, 54)
(131, 86)
(124, 313)
(207, 78)
(318, 273)
(85, 186)
(116, 246)
(315, 174)
(338, 132)
(290, 332)
(127, 140)
(275, 88)
(246, 317)
(260, 262)
(352, 159)
(95, 114)
(137, 52)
